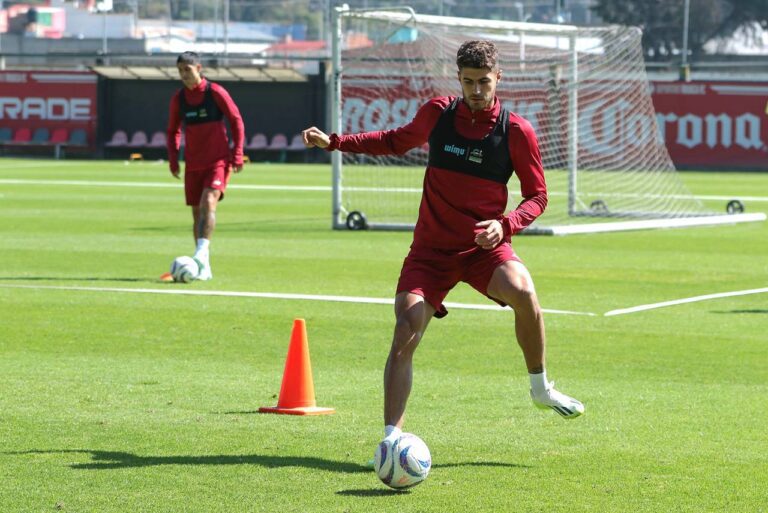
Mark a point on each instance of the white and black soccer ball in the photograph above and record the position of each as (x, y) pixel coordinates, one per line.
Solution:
(185, 269)
(403, 464)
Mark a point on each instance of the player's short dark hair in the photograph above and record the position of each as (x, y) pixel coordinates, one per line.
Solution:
(188, 58)
(478, 54)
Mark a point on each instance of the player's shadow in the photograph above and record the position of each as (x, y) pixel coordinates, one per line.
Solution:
(388, 492)
(110, 460)
(743, 311)
(59, 278)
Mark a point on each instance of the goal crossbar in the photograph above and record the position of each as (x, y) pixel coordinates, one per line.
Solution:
(584, 90)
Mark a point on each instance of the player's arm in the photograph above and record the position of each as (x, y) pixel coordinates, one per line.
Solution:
(383, 142)
(524, 150)
(173, 135)
(232, 113)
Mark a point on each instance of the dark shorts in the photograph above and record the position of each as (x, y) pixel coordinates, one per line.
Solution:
(433, 273)
(195, 182)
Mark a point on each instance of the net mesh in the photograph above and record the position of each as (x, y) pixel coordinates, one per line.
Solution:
(622, 168)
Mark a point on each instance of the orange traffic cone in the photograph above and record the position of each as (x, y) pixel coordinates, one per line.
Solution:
(297, 393)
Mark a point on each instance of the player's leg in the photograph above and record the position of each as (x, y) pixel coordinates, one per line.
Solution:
(412, 315)
(511, 283)
(206, 223)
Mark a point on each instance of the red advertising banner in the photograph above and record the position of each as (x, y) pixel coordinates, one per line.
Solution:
(721, 125)
(715, 125)
(49, 99)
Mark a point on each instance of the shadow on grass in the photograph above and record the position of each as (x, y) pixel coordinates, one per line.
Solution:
(59, 278)
(388, 492)
(108, 460)
(373, 492)
(751, 311)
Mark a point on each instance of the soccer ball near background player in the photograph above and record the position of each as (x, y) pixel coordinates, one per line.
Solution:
(404, 464)
(184, 269)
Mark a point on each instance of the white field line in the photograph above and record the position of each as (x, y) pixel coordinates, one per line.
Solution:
(327, 188)
(270, 295)
(694, 299)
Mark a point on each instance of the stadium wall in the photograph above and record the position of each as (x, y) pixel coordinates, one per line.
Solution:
(266, 107)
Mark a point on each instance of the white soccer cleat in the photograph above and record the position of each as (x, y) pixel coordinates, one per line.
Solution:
(205, 273)
(567, 407)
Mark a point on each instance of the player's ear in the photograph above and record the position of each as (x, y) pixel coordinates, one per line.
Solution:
(498, 75)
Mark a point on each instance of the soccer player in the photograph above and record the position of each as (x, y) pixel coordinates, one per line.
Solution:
(201, 106)
(462, 232)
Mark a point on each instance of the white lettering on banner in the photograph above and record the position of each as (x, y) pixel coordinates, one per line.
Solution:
(57, 109)
(748, 131)
(612, 124)
(379, 114)
(714, 130)
(685, 124)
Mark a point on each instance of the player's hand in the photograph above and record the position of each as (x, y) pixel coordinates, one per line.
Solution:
(313, 136)
(490, 235)
(175, 171)
(237, 168)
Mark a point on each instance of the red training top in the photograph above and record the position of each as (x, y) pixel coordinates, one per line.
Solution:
(207, 144)
(453, 202)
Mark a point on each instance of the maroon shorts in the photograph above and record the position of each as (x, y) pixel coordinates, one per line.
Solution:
(432, 273)
(197, 181)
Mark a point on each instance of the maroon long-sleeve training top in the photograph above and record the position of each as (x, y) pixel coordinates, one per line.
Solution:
(207, 144)
(452, 202)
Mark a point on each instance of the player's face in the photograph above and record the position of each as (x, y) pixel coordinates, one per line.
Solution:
(479, 86)
(190, 74)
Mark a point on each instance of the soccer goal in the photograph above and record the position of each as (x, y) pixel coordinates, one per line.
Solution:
(584, 90)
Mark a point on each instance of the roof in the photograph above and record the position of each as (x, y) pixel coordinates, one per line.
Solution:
(218, 74)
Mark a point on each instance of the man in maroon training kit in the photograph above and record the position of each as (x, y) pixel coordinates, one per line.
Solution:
(202, 107)
(462, 233)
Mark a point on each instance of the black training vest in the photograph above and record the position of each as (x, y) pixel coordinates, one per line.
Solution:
(205, 112)
(484, 158)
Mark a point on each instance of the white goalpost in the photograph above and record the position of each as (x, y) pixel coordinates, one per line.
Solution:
(584, 90)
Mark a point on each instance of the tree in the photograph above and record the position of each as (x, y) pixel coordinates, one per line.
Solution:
(662, 21)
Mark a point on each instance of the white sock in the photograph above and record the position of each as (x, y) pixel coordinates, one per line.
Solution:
(392, 433)
(539, 383)
(201, 252)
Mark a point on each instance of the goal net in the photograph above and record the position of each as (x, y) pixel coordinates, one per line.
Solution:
(584, 90)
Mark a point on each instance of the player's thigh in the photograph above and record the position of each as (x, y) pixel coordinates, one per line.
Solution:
(511, 283)
(209, 198)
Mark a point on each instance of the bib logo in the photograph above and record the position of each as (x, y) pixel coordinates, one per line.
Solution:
(476, 156)
(450, 148)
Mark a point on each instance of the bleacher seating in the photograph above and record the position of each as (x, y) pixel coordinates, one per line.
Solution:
(22, 135)
(59, 136)
(119, 139)
(297, 143)
(41, 136)
(258, 142)
(78, 138)
(139, 140)
(279, 142)
(158, 140)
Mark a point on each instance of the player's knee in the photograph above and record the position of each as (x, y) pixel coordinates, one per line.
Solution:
(407, 334)
(519, 292)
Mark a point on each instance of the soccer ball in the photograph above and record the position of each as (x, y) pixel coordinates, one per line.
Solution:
(185, 269)
(404, 464)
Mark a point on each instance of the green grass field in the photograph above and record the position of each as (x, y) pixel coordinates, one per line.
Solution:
(112, 401)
